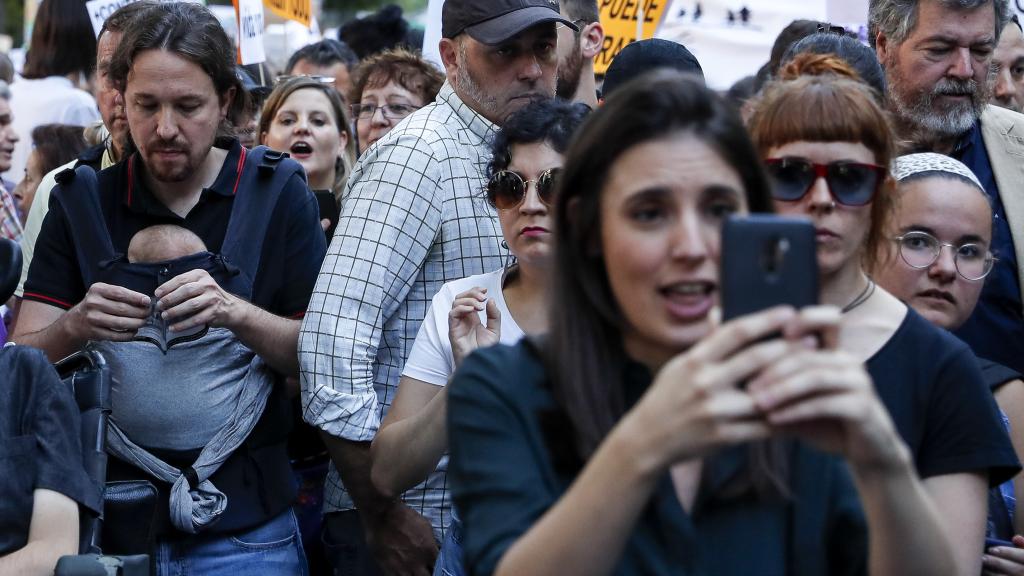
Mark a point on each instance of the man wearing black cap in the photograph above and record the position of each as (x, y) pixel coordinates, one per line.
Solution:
(412, 220)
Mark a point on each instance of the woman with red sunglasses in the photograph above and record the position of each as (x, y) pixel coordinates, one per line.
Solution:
(827, 148)
(492, 308)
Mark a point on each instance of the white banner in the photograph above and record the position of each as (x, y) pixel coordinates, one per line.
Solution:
(100, 10)
(250, 32)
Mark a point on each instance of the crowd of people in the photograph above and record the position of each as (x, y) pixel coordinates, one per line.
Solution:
(370, 316)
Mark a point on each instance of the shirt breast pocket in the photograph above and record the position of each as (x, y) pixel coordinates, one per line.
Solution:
(17, 481)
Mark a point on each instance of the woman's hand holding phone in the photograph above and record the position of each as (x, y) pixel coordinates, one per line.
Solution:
(1005, 560)
(696, 405)
(826, 397)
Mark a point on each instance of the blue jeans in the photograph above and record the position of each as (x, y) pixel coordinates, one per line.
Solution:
(449, 560)
(273, 548)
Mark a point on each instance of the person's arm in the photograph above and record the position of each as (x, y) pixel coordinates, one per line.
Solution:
(196, 297)
(962, 504)
(390, 218)
(53, 532)
(107, 313)
(412, 438)
(1010, 398)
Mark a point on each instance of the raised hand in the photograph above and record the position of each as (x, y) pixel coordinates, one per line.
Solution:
(465, 331)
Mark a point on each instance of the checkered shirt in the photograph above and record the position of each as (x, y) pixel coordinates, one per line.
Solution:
(413, 217)
(10, 224)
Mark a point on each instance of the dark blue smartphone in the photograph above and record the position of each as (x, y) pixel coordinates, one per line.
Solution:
(993, 542)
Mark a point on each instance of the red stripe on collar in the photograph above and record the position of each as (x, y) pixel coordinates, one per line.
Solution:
(241, 163)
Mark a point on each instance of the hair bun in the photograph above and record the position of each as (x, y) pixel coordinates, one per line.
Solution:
(808, 64)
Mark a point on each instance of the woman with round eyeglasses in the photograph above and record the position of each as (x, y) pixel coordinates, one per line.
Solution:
(388, 87)
(498, 307)
(937, 264)
(827, 147)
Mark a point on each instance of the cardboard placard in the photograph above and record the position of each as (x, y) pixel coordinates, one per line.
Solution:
(300, 11)
(621, 20)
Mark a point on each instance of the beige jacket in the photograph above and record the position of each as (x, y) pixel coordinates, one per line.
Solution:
(1003, 133)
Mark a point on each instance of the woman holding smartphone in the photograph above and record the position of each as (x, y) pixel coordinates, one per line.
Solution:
(624, 442)
(827, 147)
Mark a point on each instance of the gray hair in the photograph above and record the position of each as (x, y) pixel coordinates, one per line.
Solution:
(898, 18)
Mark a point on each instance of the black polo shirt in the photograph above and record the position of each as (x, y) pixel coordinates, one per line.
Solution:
(507, 467)
(293, 250)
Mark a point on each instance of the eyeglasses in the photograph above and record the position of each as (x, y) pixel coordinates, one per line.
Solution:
(390, 111)
(506, 189)
(849, 183)
(920, 250)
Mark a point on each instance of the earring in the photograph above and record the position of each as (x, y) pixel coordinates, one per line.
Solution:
(504, 244)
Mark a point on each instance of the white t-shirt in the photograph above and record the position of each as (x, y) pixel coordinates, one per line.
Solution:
(431, 359)
(50, 100)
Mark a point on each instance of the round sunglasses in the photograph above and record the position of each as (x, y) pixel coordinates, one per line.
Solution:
(506, 189)
(849, 183)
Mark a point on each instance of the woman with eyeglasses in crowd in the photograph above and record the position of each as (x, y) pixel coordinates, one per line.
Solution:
(483, 310)
(306, 118)
(629, 439)
(386, 88)
(943, 287)
(827, 146)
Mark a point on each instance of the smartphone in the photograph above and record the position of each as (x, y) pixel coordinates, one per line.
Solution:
(328, 209)
(767, 261)
(994, 542)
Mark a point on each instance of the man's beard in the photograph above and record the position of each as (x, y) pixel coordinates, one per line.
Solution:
(569, 73)
(488, 103)
(950, 121)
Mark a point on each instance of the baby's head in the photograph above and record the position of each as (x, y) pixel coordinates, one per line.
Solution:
(163, 242)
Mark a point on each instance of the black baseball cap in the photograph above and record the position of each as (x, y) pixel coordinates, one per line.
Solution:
(645, 55)
(495, 21)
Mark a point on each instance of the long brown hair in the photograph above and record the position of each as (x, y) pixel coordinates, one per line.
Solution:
(819, 98)
(587, 324)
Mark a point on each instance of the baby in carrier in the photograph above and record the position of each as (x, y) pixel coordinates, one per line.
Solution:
(162, 243)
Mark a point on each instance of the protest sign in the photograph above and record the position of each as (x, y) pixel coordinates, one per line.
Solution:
(100, 10)
(250, 31)
(300, 11)
(621, 20)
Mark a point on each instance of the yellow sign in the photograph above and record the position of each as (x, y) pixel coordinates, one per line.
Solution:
(621, 21)
(299, 10)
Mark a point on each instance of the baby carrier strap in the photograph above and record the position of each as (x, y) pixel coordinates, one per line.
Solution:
(265, 173)
(78, 192)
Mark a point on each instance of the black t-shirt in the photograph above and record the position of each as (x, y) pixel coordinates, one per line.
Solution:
(506, 470)
(933, 387)
(292, 252)
(39, 443)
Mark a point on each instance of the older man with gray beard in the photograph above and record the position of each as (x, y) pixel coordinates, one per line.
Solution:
(412, 219)
(938, 57)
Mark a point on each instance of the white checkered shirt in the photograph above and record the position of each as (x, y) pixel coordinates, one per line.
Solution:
(414, 216)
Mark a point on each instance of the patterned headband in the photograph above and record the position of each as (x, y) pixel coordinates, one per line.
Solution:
(906, 166)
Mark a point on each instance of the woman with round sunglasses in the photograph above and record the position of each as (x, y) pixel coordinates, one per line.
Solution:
(640, 437)
(827, 146)
(482, 310)
(937, 265)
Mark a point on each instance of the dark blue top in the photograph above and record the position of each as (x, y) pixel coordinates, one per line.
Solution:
(511, 460)
(996, 328)
(940, 403)
(39, 443)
